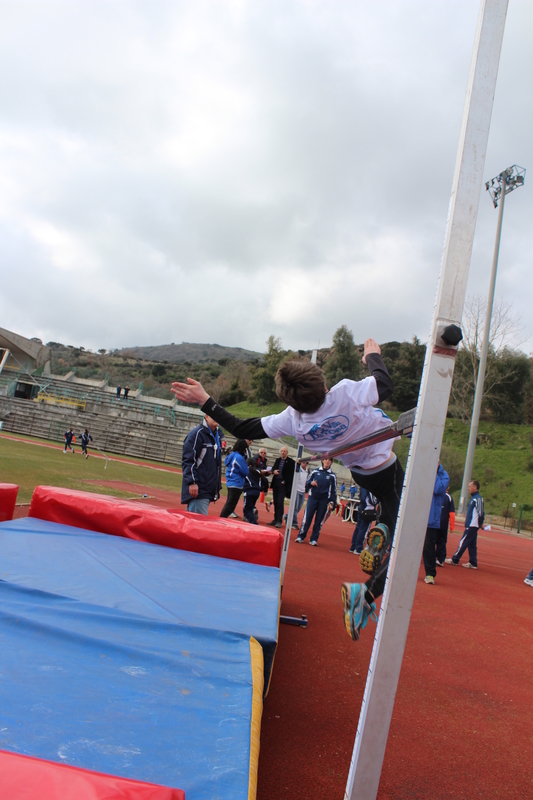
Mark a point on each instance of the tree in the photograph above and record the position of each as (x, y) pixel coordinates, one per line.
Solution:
(503, 361)
(344, 360)
(407, 374)
(263, 379)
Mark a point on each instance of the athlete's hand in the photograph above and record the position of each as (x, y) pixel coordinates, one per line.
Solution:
(190, 392)
(371, 346)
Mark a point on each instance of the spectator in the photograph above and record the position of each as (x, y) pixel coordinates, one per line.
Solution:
(475, 517)
(201, 467)
(366, 513)
(119, 389)
(126, 392)
(282, 476)
(322, 487)
(85, 439)
(251, 492)
(447, 521)
(69, 439)
(236, 471)
(429, 554)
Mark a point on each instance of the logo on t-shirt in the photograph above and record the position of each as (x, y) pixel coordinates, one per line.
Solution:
(330, 428)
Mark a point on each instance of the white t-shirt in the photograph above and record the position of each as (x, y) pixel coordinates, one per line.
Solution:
(302, 480)
(347, 414)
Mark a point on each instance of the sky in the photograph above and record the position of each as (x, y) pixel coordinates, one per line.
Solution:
(223, 171)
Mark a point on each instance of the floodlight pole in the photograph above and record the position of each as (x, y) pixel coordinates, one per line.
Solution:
(393, 623)
(505, 183)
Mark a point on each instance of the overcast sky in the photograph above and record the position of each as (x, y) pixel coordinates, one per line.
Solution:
(223, 171)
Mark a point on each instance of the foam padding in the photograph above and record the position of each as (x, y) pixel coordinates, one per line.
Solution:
(126, 695)
(198, 534)
(8, 499)
(24, 777)
(144, 579)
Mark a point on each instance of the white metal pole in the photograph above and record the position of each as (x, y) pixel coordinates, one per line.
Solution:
(393, 623)
(469, 463)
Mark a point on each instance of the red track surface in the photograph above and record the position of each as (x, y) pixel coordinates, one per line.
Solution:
(462, 725)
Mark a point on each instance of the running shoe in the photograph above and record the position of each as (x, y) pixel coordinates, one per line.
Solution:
(468, 565)
(312, 543)
(429, 579)
(528, 581)
(451, 561)
(299, 539)
(357, 611)
(377, 541)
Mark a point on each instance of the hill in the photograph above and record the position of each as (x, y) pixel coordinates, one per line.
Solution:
(190, 352)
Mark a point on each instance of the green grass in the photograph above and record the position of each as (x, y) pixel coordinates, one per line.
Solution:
(247, 409)
(503, 465)
(28, 466)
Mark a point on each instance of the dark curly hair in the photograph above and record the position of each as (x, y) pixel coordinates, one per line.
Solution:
(301, 385)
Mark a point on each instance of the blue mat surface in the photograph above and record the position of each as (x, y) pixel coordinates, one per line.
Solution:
(104, 689)
(144, 579)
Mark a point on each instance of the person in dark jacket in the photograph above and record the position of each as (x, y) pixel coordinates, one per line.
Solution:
(69, 439)
(366, 513)
(282, 476)
(201, 467)
(85, 439)
(236, 471)
(474, 520)
(429, 554)
(447, 522)
(322, 487)
(252, 489)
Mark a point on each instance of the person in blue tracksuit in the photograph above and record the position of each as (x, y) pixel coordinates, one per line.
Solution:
(475, 517)
(201, 467)
(429, 554)
(366, 513)
(252, 490)
(322, 487)
(69, 438)
(85, 439)
(236, 472)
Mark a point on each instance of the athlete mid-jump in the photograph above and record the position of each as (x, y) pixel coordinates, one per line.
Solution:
(320, 419)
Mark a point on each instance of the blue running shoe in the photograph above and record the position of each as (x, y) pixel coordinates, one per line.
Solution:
(377, 542)
(356, 609)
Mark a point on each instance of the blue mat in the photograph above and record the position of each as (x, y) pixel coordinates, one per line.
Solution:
(144, 579)
(104, 689)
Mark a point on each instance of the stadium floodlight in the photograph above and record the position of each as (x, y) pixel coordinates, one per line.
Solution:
(506, 182)
(511, 178)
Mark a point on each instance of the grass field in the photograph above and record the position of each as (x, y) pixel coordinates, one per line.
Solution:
(29, 465)
(503, 464)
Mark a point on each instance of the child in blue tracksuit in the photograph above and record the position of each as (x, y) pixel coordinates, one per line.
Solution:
(69, 438)
(85, 439)
(322, 487)
(237, 471)
(475, 517)
(252, 490)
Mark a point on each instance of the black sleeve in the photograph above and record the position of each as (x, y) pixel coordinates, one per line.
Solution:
(241, 428)
(383, 379)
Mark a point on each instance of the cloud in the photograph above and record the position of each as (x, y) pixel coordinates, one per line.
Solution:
(223, 171)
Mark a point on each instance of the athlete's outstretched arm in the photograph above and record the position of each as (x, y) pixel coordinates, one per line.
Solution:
(194, 392)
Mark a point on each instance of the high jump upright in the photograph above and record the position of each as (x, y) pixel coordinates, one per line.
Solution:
(391, 633)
